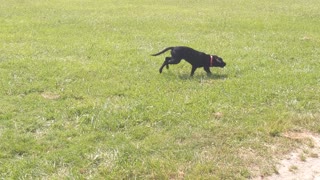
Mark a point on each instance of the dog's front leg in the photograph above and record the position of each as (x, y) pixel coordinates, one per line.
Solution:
(193, 70)
(207, 69)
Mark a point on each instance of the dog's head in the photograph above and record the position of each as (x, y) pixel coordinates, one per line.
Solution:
(218, 61)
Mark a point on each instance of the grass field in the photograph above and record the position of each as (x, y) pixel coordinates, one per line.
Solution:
(81, 97)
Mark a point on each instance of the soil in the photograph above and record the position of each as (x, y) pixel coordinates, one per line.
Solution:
(303, 163)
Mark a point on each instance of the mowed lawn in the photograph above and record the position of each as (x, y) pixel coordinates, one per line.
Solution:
(81, 97)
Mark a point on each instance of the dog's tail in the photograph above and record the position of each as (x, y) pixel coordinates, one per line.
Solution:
(166, 49)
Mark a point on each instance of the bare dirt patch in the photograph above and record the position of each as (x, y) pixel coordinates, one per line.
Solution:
(50, 95)
(303, 163)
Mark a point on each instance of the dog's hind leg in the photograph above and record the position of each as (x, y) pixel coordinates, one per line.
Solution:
(168, 61)
(165, 63)
(174, 61)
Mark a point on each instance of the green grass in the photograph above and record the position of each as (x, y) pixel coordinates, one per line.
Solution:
(82, 98)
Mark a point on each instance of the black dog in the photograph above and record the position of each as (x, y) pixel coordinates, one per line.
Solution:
(195, 58)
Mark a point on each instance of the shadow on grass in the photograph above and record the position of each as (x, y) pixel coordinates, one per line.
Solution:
(211, 76)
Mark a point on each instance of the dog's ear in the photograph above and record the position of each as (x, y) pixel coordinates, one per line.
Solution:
(217, 58)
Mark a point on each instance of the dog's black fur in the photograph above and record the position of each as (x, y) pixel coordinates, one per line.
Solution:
(195, 58)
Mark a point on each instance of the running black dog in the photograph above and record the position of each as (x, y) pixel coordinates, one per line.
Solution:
(195, 58)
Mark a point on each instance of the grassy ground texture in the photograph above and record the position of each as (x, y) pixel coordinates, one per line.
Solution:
(81, 97)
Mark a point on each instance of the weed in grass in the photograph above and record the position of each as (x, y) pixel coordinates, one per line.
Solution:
(302, 157)
(293, 168)
(314, 155)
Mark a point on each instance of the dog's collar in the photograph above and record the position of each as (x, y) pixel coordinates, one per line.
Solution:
(211, 61)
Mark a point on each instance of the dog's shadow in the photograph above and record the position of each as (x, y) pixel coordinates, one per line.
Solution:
(210, 76)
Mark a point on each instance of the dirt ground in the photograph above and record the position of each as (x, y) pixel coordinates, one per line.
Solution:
(301, 164)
